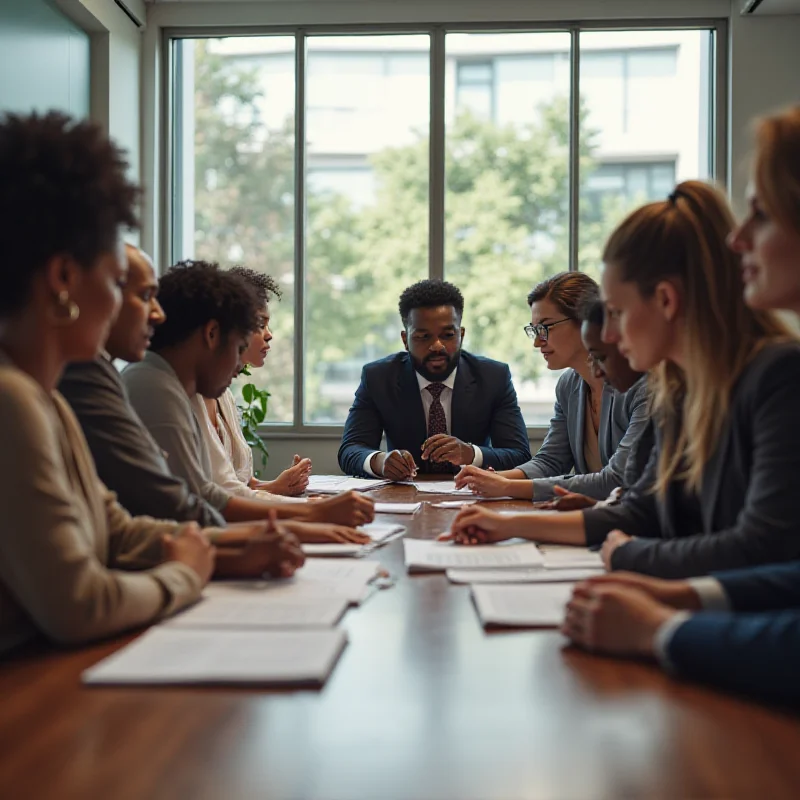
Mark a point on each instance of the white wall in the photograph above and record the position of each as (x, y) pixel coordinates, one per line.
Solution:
(116, 48)
(44, 59)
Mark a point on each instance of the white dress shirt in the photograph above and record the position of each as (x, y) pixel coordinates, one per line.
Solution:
(231, 457)
(446, 399)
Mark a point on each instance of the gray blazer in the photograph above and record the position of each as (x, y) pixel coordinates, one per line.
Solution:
(128, 460)
(623, 417)
(747, 510)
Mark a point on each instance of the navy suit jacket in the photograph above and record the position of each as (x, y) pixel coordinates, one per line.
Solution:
(484, 412)
(755, 653)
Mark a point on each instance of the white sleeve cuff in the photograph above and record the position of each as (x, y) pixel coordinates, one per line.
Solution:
(477, 459)
(663, 637)
(366, 464)
(712, 595)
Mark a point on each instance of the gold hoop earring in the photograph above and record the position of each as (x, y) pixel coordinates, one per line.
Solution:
(71, 307)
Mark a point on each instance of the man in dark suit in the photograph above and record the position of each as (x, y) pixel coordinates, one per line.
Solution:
(697, 628)
(439, 407)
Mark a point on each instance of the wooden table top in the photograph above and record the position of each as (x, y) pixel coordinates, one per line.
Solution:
(422, 704)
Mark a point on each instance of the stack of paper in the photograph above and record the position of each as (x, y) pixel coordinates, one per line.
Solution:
(318, 577)
(442, 487)
(174, 655)
(567, 557)
(262, 610)
(397, 508)
(532, 575)
(430, 555)
(333, 484)
(379, 532)
(536, 606)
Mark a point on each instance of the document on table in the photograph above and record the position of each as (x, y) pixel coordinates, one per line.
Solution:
(397, 508)
(169, 654)
(532, 575)
(381, 531)
(334, 549)
(318, 577)
(565, 557)
(535, 606)
(442, 487)
(430, 555)
(263, 610)
(333, 484)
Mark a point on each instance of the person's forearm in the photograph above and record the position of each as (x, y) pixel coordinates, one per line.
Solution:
(514, 474)
(521, 490)
(242, 509)
(550, 527)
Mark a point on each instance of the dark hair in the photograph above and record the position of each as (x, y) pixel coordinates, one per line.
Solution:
(192, 293)
(430, 294)
(265, 285)
(569, 291)
(63, 191)
(594, 313)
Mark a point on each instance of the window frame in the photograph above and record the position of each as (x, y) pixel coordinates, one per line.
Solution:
(170, 130)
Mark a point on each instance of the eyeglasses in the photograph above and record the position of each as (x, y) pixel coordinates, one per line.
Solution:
(541, 330)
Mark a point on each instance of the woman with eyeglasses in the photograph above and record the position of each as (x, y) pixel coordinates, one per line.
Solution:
(593, 427)
(719, 491)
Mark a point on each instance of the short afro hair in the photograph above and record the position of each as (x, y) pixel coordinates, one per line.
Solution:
(63, 192)
(568, 291)
(594, 313)
(193, 293)
(430, 294)
(265, 285)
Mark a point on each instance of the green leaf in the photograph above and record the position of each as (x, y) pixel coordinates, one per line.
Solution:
(248, 392)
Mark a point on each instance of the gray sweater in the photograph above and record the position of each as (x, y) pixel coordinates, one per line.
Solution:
(166, 411)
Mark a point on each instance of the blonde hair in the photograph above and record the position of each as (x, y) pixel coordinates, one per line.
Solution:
(777, 166)
(683, 238)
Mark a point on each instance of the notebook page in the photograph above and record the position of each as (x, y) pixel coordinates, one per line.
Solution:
(536, 605)
(263, 610)
(532, 575)
(425, 554)
(172, 655)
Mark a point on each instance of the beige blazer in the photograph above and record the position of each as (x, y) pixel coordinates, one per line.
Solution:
(74, 565)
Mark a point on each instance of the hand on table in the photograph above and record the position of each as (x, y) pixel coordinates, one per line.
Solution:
(397, 465)
(444, 449)
(612, 618)
(675, 593)
(292, 481)
(349, 508)
(565, 501)
(485, 482)
(478, 525)
(326, 533)
(614, 540)
(191, 547)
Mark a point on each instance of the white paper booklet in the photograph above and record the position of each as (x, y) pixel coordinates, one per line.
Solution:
(169, 654)
(442, 487)
(430, 555)
(381, 531)
(532, 575)
(333, 484)
(397, 508)
(264, 610)
(333, 549)
(318, 577)
(535, 606)
(558, 556)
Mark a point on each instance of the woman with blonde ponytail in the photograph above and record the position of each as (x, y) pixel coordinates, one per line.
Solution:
(724, 378)
(757, 653)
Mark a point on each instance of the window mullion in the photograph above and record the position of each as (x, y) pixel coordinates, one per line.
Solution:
(436, 177)
(299, 228)
(574, 143)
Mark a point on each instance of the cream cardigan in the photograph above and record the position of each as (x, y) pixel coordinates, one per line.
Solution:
(74, 565)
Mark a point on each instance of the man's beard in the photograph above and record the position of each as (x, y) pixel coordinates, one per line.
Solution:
(441, 375)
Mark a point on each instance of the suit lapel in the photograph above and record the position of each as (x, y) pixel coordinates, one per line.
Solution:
(462, 401)
(410, 407)
(605, 436)
(579, 421)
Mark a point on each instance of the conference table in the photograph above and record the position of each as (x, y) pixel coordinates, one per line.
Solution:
(423, 703)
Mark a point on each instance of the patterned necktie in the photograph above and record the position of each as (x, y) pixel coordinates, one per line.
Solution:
(437, 423)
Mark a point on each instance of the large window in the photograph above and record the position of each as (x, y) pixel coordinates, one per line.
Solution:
(444, 153)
